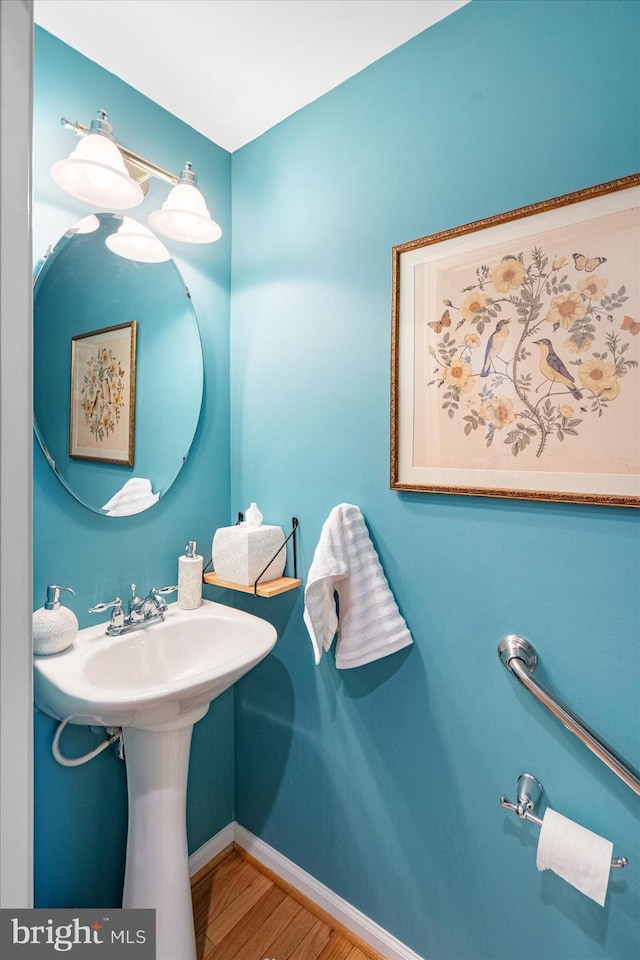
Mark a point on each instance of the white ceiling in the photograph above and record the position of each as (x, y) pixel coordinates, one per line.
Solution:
(233, 68)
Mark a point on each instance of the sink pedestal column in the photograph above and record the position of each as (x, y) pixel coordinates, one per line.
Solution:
(157, 862)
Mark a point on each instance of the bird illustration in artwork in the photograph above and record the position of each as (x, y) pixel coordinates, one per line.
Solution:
(98, 397)
(495, 343)
(553, 369)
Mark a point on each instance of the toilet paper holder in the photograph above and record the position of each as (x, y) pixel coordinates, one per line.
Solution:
(529, 793)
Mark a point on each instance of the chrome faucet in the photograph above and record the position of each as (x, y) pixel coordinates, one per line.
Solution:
(142, 613)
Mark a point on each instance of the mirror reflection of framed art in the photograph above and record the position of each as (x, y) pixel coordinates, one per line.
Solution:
(103, 395)
(103, 313)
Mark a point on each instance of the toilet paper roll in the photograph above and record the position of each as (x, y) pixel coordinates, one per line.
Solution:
(580, 857)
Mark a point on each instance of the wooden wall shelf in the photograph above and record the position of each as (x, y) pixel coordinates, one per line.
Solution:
(270, 588)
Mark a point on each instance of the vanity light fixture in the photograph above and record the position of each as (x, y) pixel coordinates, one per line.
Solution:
(106, 174)
(184, 215)
(88, 224)
(134, 241)
(95, 171)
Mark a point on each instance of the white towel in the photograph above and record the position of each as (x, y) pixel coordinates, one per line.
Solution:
(370, 625)
(136, 495)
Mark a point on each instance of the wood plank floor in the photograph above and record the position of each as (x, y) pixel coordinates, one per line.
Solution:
(241, 913)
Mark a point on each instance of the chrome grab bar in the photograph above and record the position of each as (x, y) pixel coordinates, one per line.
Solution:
(520, 657)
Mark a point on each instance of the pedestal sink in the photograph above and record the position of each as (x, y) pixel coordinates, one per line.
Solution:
(155, 684)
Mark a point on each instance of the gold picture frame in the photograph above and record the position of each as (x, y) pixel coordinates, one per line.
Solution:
(515, 353)
(103, 395)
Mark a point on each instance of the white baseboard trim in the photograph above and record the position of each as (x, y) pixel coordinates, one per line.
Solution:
(343, 912)
(210, 850)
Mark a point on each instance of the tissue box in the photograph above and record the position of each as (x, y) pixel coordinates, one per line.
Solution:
(241, 553)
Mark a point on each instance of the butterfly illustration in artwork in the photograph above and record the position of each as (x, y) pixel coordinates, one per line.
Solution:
(439, 325)
(587, 263)
(633, 326)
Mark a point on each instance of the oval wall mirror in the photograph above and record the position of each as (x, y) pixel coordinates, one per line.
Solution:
(118, 369)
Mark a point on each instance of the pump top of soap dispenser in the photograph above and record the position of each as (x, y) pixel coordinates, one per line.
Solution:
(191, 550)
(53, 596)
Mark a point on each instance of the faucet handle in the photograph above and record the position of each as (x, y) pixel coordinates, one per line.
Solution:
(101, 607)
(159, 592)
(117, 617)
(163, 590)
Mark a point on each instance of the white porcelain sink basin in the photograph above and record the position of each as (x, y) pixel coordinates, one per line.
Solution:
(155, 684)
(160, 677)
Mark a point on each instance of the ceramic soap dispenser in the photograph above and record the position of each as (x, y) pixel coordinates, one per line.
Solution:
(54, 626)
(190, 578)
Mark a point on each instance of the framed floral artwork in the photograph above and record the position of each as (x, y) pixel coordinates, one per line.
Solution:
(102, 408)
(515, 351)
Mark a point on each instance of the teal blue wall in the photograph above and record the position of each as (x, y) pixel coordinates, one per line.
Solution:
(384, 782)
(80, 814)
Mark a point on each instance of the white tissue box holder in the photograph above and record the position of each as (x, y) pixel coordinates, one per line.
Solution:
(241, 553)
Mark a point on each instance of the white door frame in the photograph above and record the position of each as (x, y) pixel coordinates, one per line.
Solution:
(16, 445)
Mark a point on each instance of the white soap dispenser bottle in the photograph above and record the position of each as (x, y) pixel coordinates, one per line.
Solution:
(190, 578)
(54, 626)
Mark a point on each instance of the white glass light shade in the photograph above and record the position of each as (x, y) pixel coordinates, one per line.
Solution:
(184, 216)
(134, 241)
(95, 172)
(88, 224)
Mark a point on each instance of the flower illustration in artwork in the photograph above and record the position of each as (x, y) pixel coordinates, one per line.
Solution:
(102, 393)
(459, 375)
(611, 391)
(599, 377)
(107, 422)
(492, 379)
(574, 345)
(473, 305)
(498, 411)
(508, 275)
(593, 287)
(565, 310)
